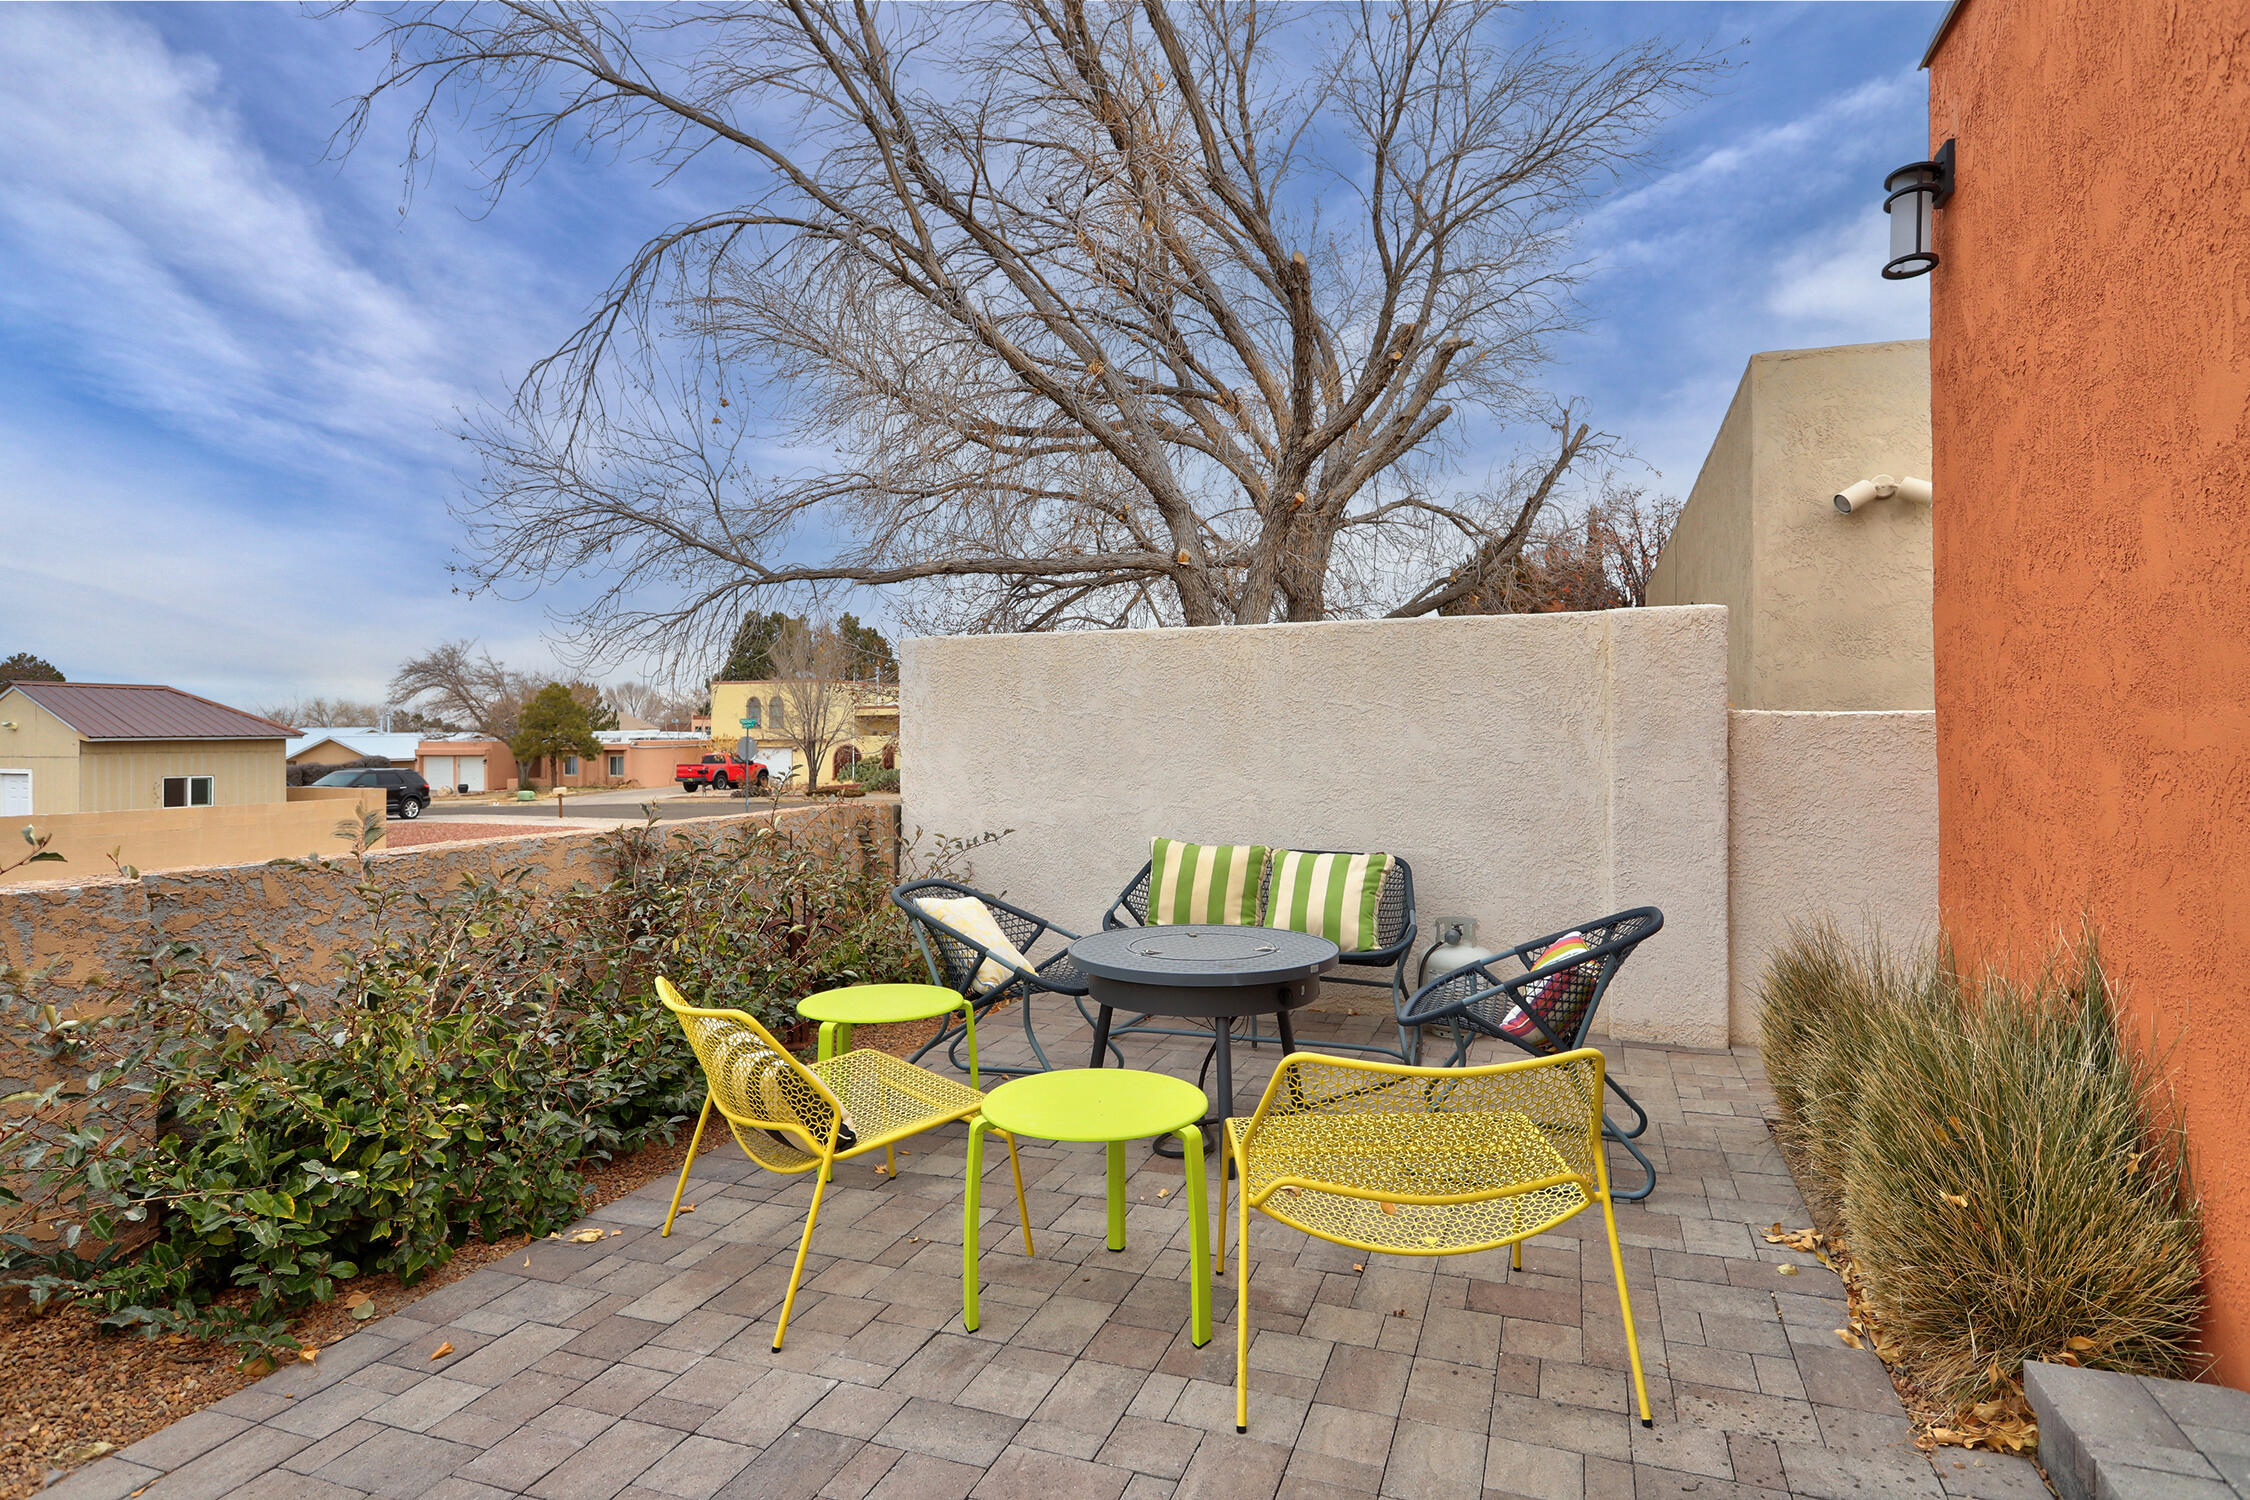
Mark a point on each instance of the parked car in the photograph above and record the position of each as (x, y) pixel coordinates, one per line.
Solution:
(405, 793)
(725, 772)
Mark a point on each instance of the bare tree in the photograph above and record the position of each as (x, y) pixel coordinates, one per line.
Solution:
(1599, 558)
(1111, 314)
(460, 682)
(664, 709)
(816, 702)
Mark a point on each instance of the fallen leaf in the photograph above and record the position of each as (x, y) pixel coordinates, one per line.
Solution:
(689, 1208)
(70, 1458)
(527, 1260)
(308, 1355)
(1359, 1267)
(1786, 1270)
(2080, 1343)
(1163, 1192)
(1389, 1208)
(587, 1237)
(614, 1233)
(366, 1310)
(1850, 1338)
(441, 1351)
(1958, 1200)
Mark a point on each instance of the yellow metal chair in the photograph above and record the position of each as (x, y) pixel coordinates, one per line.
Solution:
(791, 1117)
(1421, 1161)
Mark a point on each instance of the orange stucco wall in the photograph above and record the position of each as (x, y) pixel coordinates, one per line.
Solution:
(2090, 402)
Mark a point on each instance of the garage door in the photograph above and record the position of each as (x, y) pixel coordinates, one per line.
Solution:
(471, 769)
(15, 794)
(437, 770)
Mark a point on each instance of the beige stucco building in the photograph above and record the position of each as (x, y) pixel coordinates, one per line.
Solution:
(116, 747)
(862, 720)
(1824, 610)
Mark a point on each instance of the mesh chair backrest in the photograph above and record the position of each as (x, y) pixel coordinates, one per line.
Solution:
(1567, 998)
(954, 956)
(1559, 1094)
(778, 1110)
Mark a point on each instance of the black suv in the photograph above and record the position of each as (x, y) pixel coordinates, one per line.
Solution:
(405, 793)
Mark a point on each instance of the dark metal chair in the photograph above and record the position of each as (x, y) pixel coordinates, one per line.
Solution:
(1542, 1010)
(1395, 930)
(954, 958)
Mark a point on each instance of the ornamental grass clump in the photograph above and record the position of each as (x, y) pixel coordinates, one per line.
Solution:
(2007, 1176)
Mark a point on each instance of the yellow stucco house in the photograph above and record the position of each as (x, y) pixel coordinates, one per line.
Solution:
(81, 747)
(862, 721)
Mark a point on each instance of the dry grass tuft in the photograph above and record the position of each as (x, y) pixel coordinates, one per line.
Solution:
(2011, 1183)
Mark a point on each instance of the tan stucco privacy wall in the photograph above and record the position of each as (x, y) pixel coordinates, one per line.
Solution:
(1829, 814)
(170, 838)
(1535, 770)
(1825, 611)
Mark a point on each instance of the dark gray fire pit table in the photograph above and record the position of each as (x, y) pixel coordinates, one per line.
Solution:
(1207, 973)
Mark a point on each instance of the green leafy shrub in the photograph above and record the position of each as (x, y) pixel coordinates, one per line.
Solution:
(227, 1144)
(2009, 1182)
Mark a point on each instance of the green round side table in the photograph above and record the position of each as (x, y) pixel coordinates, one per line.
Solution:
(838, 1011)
(1111, 1105)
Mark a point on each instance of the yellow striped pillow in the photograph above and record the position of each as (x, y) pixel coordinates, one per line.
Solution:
(1213, 883)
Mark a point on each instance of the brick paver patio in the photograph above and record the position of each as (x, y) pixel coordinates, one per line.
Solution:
(640, 1368)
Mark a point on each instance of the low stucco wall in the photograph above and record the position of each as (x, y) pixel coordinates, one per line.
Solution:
(305, 910)
(171, 838)
(1830, 815)
(1535, 770)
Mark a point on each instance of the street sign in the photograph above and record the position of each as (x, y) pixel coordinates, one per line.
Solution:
(747, 723)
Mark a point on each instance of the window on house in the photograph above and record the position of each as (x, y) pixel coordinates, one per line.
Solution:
(189, 791)
(753, 712)
(570, 765)
(777, 719)
(617, 765)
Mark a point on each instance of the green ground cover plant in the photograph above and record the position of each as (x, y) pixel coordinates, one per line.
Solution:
(221, 1144)
(2005, 1172)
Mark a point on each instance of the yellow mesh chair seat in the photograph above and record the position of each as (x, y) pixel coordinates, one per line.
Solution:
(1402, 1160)
(1389, 1161)
(790, 1116)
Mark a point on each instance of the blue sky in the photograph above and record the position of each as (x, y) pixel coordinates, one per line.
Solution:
(229, 365)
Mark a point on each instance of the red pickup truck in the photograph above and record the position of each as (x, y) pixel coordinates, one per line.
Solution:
(725, 772)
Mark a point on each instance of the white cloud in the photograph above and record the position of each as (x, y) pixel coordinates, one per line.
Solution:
(155, 251)
(1829, 284)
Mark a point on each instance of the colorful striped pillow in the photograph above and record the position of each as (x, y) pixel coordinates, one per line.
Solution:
(1215, 883)
(1329, 895)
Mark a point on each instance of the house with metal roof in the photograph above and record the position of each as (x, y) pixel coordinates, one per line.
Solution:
(68, 747)
(344, 745)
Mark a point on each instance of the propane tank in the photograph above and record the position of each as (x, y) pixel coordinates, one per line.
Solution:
(1456, 945)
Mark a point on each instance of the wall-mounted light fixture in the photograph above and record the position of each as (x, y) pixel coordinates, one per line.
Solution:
(1882, 487)
(1913, 194)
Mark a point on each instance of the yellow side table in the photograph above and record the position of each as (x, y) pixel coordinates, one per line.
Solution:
(1113, 1106)
(838, 1011)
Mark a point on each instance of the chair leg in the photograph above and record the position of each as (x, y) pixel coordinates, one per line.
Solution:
(1515, 1256)
(969, 1028)
(1624, 1299)
(1648, 1168)
(1640, 1115)
(1199, 1239)
(1226, 1167)
(1242, 1314)
(796, 1272)
(977, 1128)
(694, 1144)
(1023, 1211)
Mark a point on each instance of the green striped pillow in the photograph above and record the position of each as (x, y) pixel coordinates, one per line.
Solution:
(1216, 883)
(1329, 895)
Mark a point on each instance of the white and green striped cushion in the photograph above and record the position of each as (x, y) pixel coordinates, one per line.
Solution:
(1329, 895)
(1215, 883)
